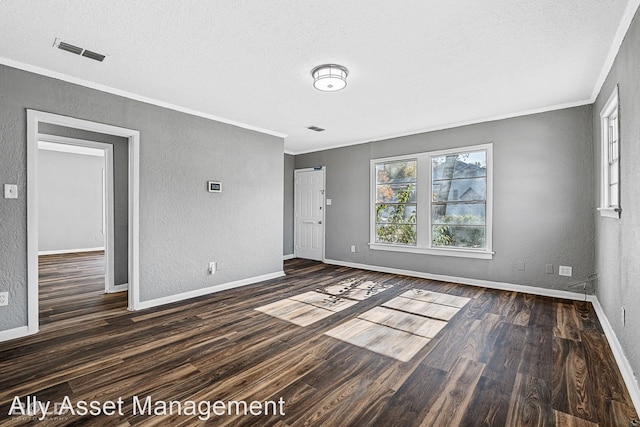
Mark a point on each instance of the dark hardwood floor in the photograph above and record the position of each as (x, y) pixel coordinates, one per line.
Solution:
(502, 359)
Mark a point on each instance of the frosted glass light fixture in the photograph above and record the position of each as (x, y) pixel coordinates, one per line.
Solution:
(329, 77)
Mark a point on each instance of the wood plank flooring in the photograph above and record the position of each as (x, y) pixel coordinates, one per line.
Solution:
(503, 359)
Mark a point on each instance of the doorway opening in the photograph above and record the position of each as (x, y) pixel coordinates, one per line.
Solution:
(76, 250)
(75, 199)
(36, 121)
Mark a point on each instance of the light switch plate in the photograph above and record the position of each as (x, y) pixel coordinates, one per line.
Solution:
(328, 202)
(10, 191)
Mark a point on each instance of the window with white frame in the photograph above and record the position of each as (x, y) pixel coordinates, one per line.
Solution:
(436, 203)
(395, 202)
(610, 158)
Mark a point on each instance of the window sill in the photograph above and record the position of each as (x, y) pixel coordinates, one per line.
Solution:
(609, 212)
(460, 253)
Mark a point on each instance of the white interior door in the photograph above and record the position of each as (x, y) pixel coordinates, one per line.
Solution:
(309, 213)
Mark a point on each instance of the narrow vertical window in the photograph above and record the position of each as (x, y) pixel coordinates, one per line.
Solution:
(459, 193)
(614, 168)
(396, 202)
(610, 168)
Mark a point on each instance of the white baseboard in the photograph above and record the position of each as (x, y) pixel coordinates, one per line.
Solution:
(206, 291)
(465, 281)
(70, 251)
(623, 363)
(290, 256)
(12, 334)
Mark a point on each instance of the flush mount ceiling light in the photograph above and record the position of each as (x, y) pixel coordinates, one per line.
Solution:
(329, 77)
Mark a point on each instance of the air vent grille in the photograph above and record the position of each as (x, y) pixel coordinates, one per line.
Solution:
(315, 128)
(68, 47)
(93, 55)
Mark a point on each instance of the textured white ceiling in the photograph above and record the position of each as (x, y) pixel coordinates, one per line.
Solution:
(414, 65)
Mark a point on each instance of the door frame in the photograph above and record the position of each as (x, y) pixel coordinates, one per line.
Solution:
(109, 280)
(324, 207)
(34, 118)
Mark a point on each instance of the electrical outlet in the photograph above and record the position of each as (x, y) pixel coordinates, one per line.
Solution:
(212, 267)
(564, 270)
(4, 298)
(353, 248)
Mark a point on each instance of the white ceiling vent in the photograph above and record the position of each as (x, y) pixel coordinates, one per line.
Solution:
(78, 50)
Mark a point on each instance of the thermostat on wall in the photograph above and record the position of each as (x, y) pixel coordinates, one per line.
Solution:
(215, 187)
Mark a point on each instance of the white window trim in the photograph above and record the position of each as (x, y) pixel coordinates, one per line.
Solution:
(605, 209)
(423, 245)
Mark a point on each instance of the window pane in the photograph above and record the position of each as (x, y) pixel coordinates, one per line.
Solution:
(395, 202)
(459, 236)
(459, 213)
(396, 233)
(613, 173)
(395, 213)
(613, 196)
(396, 172)
(458, 200)
(396, 193)
(613, 151)
(459, 165)
(464, 189)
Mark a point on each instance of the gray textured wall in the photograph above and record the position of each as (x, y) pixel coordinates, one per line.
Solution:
(543, 200)
(69, 201)
(289, 166)
(182, 226)
(618, 240)
(120, 191)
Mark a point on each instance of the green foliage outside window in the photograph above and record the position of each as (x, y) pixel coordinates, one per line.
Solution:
(398, 227)
(395, 202)
(441, 236)
(464, 231)
(455, 206)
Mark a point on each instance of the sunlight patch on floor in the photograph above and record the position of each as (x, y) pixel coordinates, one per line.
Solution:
(310, 307)
(402, 326)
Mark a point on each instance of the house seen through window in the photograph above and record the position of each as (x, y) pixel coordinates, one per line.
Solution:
(434, 202)
(459, 187)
